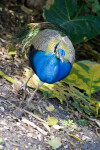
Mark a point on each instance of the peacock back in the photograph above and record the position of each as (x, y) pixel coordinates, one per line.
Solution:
(46, 40)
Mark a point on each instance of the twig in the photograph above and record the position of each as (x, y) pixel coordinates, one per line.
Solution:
(17, 145)
(98, 132)
(34, 115)
(24, 120)
(41, 120)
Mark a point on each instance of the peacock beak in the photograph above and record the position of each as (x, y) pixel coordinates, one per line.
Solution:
(62, 58)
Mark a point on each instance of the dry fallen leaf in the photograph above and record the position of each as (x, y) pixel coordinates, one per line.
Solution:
(55, 142)
(57, 127)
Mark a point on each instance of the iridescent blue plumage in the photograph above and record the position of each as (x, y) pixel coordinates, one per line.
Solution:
(49, 67)
(51, 57)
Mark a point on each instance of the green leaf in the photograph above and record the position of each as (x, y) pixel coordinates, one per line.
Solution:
(68, 122)
(1, 9)
(52, 121)
(1, 140)
(26, 10)
(50, 108)
(76, 105)
(12, 50)
(55, 142)
(85, 75)
(95, 6)
(76, 137)
(65, 14)
(81, 122)
(7, 77)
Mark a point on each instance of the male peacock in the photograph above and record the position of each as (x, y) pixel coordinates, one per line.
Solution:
(51, 56)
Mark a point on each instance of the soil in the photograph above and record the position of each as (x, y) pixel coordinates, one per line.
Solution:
(15, 134)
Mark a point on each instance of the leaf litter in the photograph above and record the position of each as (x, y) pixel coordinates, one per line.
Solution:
(15, 134)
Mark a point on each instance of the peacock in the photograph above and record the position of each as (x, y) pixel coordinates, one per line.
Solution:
(51, 56)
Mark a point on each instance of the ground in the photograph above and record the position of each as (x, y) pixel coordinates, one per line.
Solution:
(28, 130)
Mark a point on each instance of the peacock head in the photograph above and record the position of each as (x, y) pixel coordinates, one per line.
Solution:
(60, 53)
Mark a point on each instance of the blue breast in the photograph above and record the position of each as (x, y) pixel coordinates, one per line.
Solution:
(48, 68)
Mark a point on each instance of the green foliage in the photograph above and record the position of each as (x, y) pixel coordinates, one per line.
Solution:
(12, 50)
(2, 74)
(52, 121)
(75, 137)
(81, 84)
(95, 6)
(66, 15)
(73, 18)
(82, 122)
(26, 35)
(85, 75)
(68, 123)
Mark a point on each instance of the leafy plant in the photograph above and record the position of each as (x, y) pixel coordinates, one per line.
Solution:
(66, 15)
(85, 75)
(72, 17)
(81, 84)
(68, 123)
(95, 6)
(81, 122)
(82, 77)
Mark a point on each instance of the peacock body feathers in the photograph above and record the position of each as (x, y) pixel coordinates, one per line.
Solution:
(51, 56)
(48, 67)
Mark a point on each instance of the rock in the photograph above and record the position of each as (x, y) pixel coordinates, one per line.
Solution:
(2, 109)
(66, 146)
(86, 138)
(76, 127)
(30, 135)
